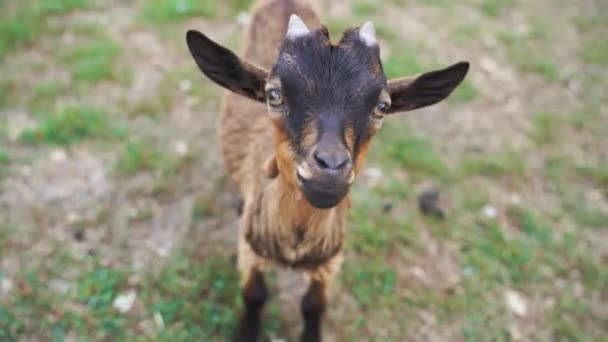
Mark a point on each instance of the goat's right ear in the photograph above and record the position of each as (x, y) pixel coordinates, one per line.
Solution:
(225, 68)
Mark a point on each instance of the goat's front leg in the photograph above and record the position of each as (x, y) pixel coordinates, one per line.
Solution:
(314, 302)
(254, 293)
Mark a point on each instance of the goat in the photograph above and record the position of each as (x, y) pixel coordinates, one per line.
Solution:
(295, 129)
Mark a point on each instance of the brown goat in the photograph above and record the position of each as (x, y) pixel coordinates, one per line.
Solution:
(295, 150)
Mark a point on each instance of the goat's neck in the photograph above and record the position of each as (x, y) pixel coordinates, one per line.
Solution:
(292, 211)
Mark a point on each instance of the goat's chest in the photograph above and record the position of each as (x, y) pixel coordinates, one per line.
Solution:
(296, 248)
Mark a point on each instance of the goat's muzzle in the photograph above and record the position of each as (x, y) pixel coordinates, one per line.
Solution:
(326, 177)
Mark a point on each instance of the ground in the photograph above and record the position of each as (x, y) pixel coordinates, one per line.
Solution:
(118, 222)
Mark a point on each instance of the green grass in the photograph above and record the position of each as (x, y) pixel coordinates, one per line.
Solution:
(595, 52)
(410, 150)
(403, 62)
(69, 125)
(365, 8)
(45, 93)
(61, 6)
(465, 92)
(546, 126)
(92, 61)
(529, 55)
(506, 163)
(23, 23)
(466, 33)
(494, 8)
(598, 174)
(5, 160)
(139, 155)
(173, 10)
(5, 90)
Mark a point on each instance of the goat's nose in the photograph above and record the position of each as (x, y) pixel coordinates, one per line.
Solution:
(331, 160)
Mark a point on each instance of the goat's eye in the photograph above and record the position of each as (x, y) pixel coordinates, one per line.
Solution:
(381, 109)
(274, 97)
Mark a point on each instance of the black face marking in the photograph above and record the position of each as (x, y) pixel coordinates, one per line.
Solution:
(333, 87)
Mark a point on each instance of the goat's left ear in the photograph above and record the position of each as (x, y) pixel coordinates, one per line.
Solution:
(426, 89)
(225, 68)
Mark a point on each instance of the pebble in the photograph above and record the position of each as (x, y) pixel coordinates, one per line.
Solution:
(489, 212)
(516, 302)
(125, 301)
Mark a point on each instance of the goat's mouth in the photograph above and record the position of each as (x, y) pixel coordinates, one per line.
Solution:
(323, 192)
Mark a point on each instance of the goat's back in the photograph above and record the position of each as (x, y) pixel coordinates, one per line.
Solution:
(245, 129)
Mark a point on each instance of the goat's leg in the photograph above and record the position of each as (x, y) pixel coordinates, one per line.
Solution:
(254, 294)
(313, 307)
(314, 302)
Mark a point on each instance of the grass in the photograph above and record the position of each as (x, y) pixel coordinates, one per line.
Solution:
(92, 61)
(402, 63)
(20, 25)
(5, 90)
(507, 163)
(595, 52)
(72, 124)
(365, 8)
(5, 160)
(546, 126)
(494, 8)
(529, 55)
(173, 10)
(139, 155)
(466, 92)
(407, 149)
(192, 301)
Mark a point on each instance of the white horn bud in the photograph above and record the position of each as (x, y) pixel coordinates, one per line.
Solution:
(296, 27)
(367, 33)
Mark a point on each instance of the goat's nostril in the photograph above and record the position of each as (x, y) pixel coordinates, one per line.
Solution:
(331, 161)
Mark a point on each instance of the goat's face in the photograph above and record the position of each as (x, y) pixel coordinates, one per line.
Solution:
(326, 101)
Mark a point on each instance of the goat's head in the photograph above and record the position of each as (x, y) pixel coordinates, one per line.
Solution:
(326, 101)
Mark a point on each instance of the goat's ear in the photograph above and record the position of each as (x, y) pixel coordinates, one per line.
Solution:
(225, 68)
(426, 89)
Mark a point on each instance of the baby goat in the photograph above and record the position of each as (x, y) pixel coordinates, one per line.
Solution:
(295, 130)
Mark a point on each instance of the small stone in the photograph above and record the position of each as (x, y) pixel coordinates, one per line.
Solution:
(489, 212)
(515, 333)
(374, 173)
(243, 18)
(79, 235)
(429, 203)
(158, 319)
(6, 285)
(515, 198)
(58, 156)
(181, 148)
(185, 85)
(516, 302)
(387, 207)
(124, 302)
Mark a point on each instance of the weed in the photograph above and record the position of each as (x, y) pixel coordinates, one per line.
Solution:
(72, 124)
(138, 155)
(415, 153)
(402, 64)
(494, 8)
(466, 92)
(172, 10)
(496, 165)
(595, 52)
(92, 61)
(545, 127)
(23, 23)
(364, 8)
